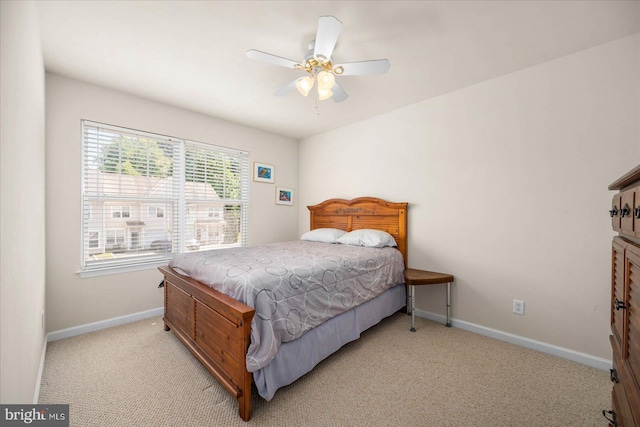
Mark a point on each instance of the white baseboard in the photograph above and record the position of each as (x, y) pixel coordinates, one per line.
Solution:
(565, 353)
(103, 324)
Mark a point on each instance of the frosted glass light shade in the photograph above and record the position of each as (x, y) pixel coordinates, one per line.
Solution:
(304, 85)
(324, 93)
(325, 80)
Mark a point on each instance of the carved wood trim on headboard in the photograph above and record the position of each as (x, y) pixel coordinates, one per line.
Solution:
(363, 212)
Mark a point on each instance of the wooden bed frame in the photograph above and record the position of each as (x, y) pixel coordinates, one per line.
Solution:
(217, 329)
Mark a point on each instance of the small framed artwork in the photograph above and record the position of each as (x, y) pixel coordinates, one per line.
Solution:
(284, 196)
(263, 172)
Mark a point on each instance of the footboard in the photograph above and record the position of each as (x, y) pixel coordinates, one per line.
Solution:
(215, 328)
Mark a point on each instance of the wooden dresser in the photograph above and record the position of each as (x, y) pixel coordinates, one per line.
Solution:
(625, 301)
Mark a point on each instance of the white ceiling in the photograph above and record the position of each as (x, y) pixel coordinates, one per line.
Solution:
(191, 54)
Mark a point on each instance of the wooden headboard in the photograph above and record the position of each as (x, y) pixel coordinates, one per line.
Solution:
(363, 212)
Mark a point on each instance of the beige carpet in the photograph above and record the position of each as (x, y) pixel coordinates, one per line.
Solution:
(140, 375)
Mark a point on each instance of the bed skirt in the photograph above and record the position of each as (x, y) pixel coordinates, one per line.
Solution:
(324, 340)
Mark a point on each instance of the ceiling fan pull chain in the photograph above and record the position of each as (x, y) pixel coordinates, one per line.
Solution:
(317, 103)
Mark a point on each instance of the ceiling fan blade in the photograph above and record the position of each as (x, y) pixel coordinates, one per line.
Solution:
(376, 66)
(271, 59)
(288, 88)
(339, 94)
(329, 28)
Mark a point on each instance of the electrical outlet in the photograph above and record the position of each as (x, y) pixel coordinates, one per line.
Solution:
(518, 307)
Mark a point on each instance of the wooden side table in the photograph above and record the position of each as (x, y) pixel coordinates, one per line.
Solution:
(415, 277)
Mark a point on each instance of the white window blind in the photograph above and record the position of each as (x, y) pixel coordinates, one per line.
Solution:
(146, 196)
(216, 188)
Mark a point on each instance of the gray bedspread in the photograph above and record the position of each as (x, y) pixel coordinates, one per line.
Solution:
(293, 286)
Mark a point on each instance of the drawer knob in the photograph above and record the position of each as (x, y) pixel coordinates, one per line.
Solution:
(613, 375)
(636, 213)
(619, 305)
(612, 420)
(613, 212)
(626, 210)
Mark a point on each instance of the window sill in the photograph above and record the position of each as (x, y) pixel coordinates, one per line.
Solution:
(119, 269)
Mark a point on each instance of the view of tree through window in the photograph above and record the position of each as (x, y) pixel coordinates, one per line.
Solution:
(146, 196)
(136, 157)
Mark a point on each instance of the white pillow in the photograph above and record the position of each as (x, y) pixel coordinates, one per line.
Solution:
(369, 238)
(324, 235)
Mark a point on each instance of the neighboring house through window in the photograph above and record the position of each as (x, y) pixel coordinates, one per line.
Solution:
(149, 195)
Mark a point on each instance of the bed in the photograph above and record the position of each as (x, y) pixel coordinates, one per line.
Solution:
(217, 328)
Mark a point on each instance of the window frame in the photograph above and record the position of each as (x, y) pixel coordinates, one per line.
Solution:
(120, 210)
(157, 209)
(97, 239)
(117, 240)
(104, 262)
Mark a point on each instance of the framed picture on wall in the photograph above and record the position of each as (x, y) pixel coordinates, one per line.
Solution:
(263, 172)
(284, 196)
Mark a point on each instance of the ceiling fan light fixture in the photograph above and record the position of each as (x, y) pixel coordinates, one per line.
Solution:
(325, 80)
(304, 85)
(324, 93)
(318, 64)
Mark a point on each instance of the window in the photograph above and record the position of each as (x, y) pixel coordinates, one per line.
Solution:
(156, 212)
(121, 212)
(150, 195)
(213, 212)
(114, 239)
(94, 239)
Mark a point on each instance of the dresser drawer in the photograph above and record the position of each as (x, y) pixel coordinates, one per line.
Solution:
(627, 217)
(615, 212)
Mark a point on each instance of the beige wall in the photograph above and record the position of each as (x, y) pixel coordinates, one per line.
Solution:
(72, 301)
(507, 188)
(22, 201)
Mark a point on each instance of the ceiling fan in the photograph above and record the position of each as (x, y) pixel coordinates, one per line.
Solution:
(319, 65)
